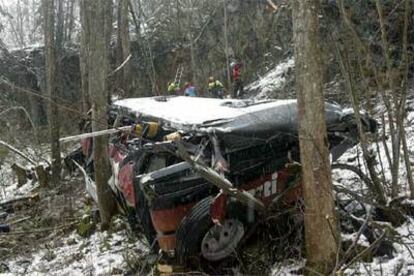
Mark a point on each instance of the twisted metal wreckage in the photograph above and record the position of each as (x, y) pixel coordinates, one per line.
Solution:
(197, 173)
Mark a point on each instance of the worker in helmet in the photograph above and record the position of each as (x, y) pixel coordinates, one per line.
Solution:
(173, 88)
(216, 88)
(189, 90)
(237, 80)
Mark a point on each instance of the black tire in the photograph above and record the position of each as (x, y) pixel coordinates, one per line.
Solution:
(191, 231)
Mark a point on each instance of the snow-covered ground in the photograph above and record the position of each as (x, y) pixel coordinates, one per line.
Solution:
(403, 261)
(62, 252)
(100, 254)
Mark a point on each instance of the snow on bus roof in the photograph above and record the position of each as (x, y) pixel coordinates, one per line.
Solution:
(196, 110)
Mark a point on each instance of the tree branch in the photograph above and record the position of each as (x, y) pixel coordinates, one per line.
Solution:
(18, 152)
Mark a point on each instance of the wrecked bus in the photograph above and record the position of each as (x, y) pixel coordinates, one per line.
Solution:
(196, 173)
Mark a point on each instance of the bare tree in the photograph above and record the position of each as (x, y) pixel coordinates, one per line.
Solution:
(50, 65)
(83, 55)
(321, 229)
(390, 82)
(406, 60)
(226, 45)
(124, 44)
(69, 20)
(98, 64)
(146, 47)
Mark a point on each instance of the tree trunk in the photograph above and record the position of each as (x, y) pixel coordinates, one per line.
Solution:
(50, 65)
(407, 162)
(98, 71)
(146, 48)
(321, 229)
(69, 21)
(108, 34)
(406, 60)
(123, 40)
(226, 45)
(60, 26)
(192, 42)
(392, 109)
(83, 57)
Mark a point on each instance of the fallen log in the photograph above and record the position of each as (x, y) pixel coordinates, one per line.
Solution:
(18, 220)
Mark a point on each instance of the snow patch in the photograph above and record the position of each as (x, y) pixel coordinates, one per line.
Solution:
(98, 255)
(272, 80)
(184, 112)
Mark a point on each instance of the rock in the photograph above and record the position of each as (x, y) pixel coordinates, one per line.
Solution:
(4, 228)
(58, 243)
(367, 256)
(49, 256)
(71, 241)
(24, 263)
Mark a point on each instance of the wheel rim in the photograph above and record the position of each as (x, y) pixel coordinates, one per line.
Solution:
(221, 240)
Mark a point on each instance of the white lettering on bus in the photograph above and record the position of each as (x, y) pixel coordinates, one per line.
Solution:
(267, 189)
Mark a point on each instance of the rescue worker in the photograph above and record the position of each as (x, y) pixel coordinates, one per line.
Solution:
(189, 90)
(237, 80)
(216, 88)
(173, 88)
